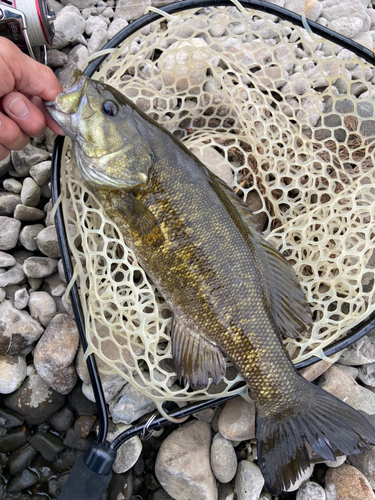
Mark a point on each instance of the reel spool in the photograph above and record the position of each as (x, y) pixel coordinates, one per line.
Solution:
(29, 24)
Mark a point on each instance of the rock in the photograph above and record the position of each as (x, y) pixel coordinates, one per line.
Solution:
(366, 373)
(9, 231)
(13, 276)
(121, 487)
(130, 405)
(223, 459)
(21, 298)
(311, 491)
(346, 482)
(77, 58)
(72, 440)
(312, 10)
(80, 4)
(5, 165)
(39, 267)
(28, 236)
(17, 329)
(214, 161)
(128, 453)
(55, 59)
(249, 481)
(94, 23)
(226, 492)
(116, 26)
(47, 444)
(7, 260)
(97, 40)
(361, 352)
(128, 10)
(42, 307)
(237, 420)
(8, 202)
(62, 420)
(365, 463)
(22, 481)
(30, 193)
(30, 155)
(111, 384)
(21, 458)
(12, 185)
(183, 463)
(336, 463)
(14, 439)
(84, 425)
(344, 387)
(350, 370)
(347, 26)
(28, 214)
(12, 373)
(9, 419)
(54, 286)
(68, 24)
(55, 352)
(34, 400)
(81, 404)
(314, 371)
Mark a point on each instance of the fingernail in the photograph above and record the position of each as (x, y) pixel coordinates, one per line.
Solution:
(19, 108)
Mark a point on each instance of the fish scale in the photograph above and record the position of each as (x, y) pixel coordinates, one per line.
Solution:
(229, 290)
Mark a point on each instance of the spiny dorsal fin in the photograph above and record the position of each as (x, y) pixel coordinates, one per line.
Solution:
(195, 356)
(289, 308)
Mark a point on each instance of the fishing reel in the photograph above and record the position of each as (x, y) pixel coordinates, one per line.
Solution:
(28, 24)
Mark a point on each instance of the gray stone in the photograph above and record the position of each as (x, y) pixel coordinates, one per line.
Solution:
(41, 173)
(39, 267)
(30, 193)
(20, 459)
(311, 491)
(183, 463)
(97, 40)
(12, 185)
(62, 420)
(55, 352)
(28, 214)
(12, 373)
(7, 260)
(130, 405)
(54, 286)
(237, 420)
(68, 24)
(18, 329)
(56, 58)
(80, 4)
(111, 384)
(312, 10)
(42, 307)
(48, 243)
(34, 400)
(9, 231)
(366, 373)
(360, 353)
(77, 58)
(5, 165)
(47, 444)
(30, 155)
(93, 24)
(21, 298)
(8, 202)
(22, 481)
(116, 26)
(347, 26)
(28, 236)
(249, 481)
(12, 276)
(223, 459)
(365, 463)
(128, 453)
(129, 10)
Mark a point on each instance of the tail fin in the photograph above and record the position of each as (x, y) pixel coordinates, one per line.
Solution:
(328, 425)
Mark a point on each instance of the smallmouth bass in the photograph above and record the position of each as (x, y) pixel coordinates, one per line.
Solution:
(230, 291)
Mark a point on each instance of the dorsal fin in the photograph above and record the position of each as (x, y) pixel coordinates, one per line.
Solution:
(290, 310)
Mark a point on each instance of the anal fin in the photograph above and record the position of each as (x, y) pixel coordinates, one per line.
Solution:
(195, 356)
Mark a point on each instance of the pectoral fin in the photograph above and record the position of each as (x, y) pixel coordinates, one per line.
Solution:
(195, 356)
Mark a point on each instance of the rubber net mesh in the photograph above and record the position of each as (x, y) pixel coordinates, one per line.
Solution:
(287, 119)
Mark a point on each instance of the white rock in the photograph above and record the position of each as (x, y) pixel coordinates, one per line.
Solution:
(312, 10)
(21, 298)
(93, 24)
(347, 26)
(116, 26)
(130, 10)
(42, 307)
(130, 405)
(7, 260)
(311, 491)
(28, 236)
(249, 481)
(128, 453)
(223, 459)
(68, 24)
(97, 40)
(9, 231)
(12, 373)
(214, 161)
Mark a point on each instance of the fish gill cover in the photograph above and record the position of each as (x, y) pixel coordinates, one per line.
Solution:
(286, 119)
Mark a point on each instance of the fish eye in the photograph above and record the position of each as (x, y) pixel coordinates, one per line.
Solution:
(109, 108)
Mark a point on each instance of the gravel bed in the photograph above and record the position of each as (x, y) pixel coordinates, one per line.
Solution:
(47, 417)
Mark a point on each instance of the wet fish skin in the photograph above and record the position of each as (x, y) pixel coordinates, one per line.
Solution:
(229, 290)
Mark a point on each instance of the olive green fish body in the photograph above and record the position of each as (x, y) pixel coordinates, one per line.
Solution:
(229, 290)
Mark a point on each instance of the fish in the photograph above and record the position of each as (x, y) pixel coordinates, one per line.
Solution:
(231, 293)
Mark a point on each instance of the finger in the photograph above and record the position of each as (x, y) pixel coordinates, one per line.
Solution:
(23, 73)
(24, 113)
(11, 136)
(54, 126)
(4, 152)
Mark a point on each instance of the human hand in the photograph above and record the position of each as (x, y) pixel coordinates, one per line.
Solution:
(23, 84)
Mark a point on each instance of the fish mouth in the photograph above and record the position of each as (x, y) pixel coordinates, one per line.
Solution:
(67, 102)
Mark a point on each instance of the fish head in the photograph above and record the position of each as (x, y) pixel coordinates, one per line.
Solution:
(109, 148)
